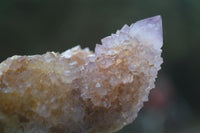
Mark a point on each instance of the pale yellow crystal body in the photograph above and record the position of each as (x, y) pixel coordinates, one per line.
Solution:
(78, 91)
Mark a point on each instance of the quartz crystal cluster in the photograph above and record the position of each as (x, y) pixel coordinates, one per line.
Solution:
(80, 91)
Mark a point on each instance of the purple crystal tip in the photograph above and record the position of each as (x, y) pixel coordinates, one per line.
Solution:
(145, 32)
(148, 31)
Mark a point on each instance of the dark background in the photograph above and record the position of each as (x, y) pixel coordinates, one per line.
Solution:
(34, 26)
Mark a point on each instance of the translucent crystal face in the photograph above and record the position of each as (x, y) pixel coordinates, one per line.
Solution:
(148, 32)
(79, 91)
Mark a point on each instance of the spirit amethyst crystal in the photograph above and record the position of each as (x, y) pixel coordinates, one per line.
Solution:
(79, 91)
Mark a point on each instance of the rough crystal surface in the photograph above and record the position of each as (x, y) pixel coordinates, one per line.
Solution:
(79, 91)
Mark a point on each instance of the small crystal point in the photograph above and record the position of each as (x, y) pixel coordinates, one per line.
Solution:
(148, 31)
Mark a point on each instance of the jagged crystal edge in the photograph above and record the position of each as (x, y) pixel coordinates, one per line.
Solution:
(145, 32)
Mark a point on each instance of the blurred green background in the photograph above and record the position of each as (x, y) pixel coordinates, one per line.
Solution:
(35, 26)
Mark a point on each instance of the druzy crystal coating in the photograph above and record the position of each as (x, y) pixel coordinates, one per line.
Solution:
(80, 91)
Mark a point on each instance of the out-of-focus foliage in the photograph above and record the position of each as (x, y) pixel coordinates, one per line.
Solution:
(37, 26)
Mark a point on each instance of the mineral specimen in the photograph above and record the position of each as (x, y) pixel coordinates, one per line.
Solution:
(79, 91)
